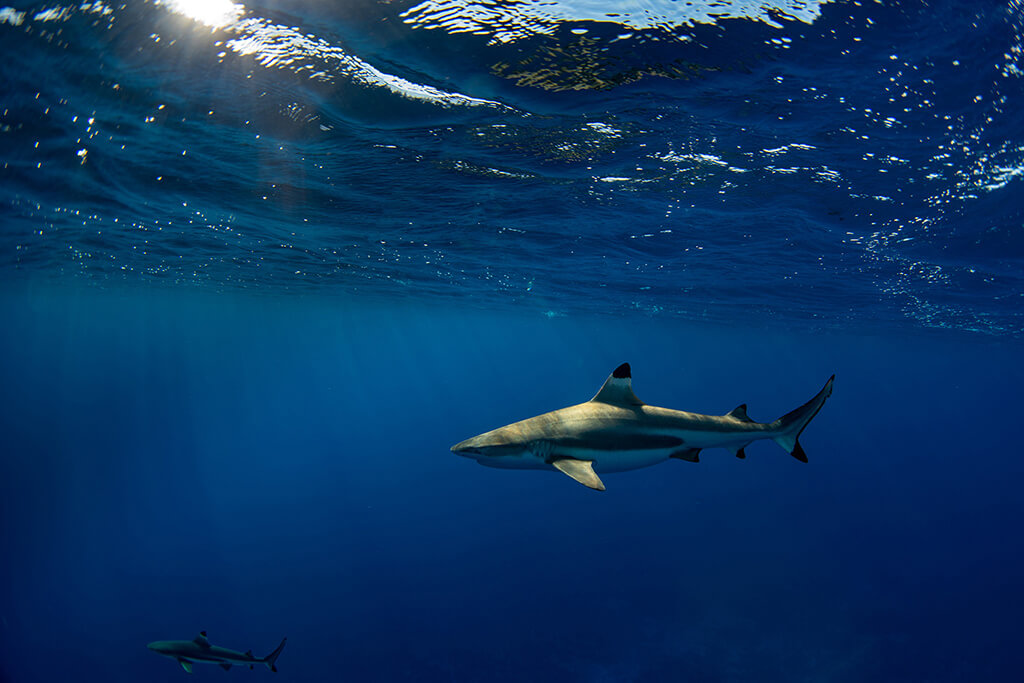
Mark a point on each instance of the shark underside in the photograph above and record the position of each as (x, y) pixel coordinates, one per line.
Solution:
(615, 431)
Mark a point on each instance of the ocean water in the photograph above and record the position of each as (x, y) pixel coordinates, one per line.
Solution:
(262, 264)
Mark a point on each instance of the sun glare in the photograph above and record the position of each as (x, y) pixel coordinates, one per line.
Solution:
(213, 13)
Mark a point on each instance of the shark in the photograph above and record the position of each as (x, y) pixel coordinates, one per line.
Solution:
(615, 431)
(187, 652)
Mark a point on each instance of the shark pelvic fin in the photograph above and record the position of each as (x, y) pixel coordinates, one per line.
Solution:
(739, 413)
(618, 388)
(186, 665)
(580, 470)
(740, 453)
(687, 454)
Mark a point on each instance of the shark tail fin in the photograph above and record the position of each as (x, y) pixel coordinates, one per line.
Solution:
(272, 657)
(789, 426)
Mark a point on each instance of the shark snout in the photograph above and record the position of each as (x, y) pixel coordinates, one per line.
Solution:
(466, 448)
(486, 446)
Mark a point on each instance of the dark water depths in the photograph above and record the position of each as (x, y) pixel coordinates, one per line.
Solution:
(262, 468)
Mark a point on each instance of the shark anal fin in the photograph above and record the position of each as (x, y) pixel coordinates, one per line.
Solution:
(226, 666)
(580, 470)
(687, 454)
(186, 665)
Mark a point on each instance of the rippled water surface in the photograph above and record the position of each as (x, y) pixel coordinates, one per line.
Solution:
(821, 163)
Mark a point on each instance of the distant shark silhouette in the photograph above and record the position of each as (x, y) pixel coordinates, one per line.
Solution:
(199, 650)
(615, 431)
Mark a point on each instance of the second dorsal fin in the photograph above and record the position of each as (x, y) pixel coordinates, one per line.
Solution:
(740, 413)
(617, 390)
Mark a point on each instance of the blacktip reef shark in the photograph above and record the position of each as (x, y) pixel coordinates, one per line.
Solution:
(199, 650)
(615, 431)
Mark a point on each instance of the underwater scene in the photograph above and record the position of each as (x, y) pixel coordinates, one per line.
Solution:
(511, 340)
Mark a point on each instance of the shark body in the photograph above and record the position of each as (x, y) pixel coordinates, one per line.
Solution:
(615, 431)
(186, 652)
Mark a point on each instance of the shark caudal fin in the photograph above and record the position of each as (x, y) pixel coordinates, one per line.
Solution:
(272, 657)
(790, 425)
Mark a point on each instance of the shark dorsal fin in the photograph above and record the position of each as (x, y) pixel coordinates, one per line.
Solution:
(740, 413)
(248, 653)
(617, 390)
(201, 640)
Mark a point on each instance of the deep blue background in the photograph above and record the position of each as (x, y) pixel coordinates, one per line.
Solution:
(260, 467)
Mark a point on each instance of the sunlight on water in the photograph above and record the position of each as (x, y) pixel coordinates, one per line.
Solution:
(11, 16)
(276, 46)
(213, 13)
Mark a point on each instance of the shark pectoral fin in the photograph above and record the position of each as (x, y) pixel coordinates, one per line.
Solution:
(186, 665)
(687, 454)
(226, 666)
(580, 470)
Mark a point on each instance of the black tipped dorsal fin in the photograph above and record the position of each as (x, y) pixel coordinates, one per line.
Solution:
(740, 413)
(201, 640)
(618, 389)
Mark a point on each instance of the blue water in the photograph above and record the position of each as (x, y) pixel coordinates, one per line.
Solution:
(262, 265)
